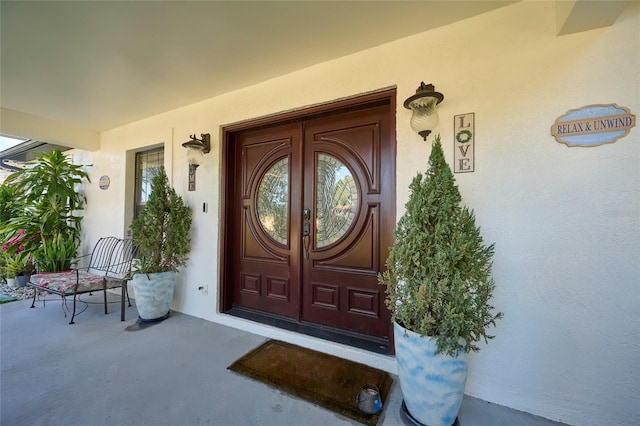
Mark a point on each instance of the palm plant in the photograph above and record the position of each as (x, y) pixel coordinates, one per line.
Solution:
(47, 192)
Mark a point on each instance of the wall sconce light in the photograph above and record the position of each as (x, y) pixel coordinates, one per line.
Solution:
(423, 104)
(196, 148)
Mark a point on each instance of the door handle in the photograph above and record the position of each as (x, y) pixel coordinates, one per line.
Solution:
(306, 231)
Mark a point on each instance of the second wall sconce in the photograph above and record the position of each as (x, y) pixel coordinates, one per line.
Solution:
(423, 104)
(196, 148)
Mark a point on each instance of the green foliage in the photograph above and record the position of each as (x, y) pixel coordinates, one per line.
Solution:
(10, 207)
(48, 219)
(17, 264)
(57, 254)
(161, 231)
(438, 273)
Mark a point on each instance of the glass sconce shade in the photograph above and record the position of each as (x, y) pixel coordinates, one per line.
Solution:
(425, 116)
(194, 156)
(423, 105)
(196, 148)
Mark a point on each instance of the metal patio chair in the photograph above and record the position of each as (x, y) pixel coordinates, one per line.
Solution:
(109, 267)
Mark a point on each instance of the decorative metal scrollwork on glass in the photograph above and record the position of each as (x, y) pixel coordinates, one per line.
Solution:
(272, 203)
(336, 200)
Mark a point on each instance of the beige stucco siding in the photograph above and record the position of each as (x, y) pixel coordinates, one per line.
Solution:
(565, 220)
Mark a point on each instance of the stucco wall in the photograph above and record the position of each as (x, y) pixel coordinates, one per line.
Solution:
(566, 221)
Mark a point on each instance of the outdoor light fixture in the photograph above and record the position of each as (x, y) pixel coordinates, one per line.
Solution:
(196, 148)
(423, 104)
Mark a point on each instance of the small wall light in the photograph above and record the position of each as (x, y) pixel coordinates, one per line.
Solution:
(423, 104)
(196, 148)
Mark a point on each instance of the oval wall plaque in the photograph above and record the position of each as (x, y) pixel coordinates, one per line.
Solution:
(104, 182)
(593, 125)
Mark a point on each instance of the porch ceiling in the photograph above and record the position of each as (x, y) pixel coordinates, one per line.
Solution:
(70, 70)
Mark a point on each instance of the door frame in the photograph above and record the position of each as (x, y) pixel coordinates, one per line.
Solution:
(228, 137)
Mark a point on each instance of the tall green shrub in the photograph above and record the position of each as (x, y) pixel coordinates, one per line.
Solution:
(438, 275)
(161, 231)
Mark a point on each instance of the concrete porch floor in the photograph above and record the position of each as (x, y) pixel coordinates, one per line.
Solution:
(101, 371)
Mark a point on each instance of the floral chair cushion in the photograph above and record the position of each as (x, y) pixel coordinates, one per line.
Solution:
(64, 282)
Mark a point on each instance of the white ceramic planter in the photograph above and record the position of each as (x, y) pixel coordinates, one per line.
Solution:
(153, 294)
(432, 385)
(11, 282)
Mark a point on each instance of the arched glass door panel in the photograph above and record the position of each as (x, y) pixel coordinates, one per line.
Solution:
(336, 200)
(272, 203)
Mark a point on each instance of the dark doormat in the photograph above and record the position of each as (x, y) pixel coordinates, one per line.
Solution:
(319, 378)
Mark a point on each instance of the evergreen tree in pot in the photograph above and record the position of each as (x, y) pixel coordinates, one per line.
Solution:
(439, 286)
(161, 236)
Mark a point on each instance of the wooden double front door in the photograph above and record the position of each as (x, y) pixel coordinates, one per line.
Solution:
(313, 216)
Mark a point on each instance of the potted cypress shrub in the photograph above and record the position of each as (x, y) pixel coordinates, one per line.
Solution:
(439, 286)
(161, 236)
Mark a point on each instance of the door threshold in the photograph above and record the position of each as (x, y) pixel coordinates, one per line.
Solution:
(332, 334)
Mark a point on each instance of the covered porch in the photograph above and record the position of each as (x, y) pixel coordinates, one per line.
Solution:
(102, 371)
(565, 220)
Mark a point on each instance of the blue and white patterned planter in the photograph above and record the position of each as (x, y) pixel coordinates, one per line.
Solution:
(153, 294)
(432, 385)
